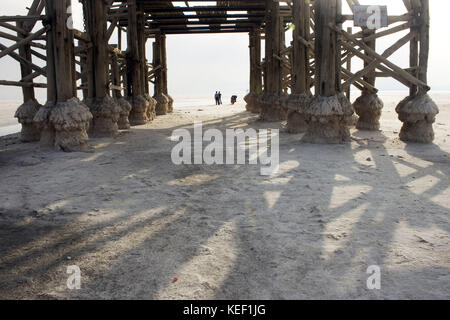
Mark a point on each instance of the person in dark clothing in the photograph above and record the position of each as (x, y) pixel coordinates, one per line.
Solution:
(220, 98)
(233, 99)
(216, 97)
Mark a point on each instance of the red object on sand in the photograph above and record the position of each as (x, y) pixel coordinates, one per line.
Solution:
(175, 279)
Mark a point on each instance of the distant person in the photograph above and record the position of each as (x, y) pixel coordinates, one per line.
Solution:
(220, 98)
(233, 99)
(216, 97)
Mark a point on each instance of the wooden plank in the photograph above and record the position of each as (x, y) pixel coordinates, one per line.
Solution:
(24, 41)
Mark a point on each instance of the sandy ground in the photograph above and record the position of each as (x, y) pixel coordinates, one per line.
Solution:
(132, 221)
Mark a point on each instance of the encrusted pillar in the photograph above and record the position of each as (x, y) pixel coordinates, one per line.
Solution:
(125, 107)
(165, 73)
(271, 101)
(368, 106)
(135, 86)
(27, 111)
(105, 110)
(142, 44)
(162, 101)
(328, 113)
(255, 72)
(418, 111)
(64, 119)
(300, 67)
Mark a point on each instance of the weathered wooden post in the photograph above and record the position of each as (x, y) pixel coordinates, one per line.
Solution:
(255, 72)
(104, 109)
(27, 111)
(135, 90)
(300, 66)
(418, 111)
(165, 72)
(271, 102)
(368, 106)
(328, 113)
(162, 102)
(142, 41)
(125, 106)
(64, 119)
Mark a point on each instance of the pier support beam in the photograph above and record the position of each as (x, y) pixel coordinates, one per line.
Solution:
(368, 106)
(165, 72)
(64, 120)
(328, 113)
(125, 107)
(255, 72)
(300, 67)
(162, 101)
(135, 86)
(105, 110)
(27, 111)
(418, 111)
(271, 101)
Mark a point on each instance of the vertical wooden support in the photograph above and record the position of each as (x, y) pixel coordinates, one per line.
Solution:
(162, 102)
(27, 111)
(165, 72)
(84, 77)
(255, 72)
(139, 103)
(418, 111)
(328, 113)
(125, 107)
(103, 108)
(64, 119)
(300, 67)
(271, 104)
(348, 65)
(368, 106)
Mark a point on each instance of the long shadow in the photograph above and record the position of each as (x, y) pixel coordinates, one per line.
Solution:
(300, 234)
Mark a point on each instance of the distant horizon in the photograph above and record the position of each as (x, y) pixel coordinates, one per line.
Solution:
(204, 63)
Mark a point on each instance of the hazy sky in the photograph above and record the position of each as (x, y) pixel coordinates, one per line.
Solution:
(202, 64)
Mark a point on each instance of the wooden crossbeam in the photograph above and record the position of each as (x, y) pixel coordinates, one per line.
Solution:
(24, 41)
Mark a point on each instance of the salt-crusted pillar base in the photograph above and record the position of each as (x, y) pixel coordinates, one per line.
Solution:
(170, 105)
(252, 100)
(25, 114)
(139, 108)
(368, 107)
(296, 121)
(151, 110)
(125, 107)
(106, 114)
(64, 125)
(162, 104)
(327, 119)
(272, 108)
(418, 114)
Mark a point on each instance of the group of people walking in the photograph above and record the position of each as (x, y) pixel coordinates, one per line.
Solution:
(218, 97)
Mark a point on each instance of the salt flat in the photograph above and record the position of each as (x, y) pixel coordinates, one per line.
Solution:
(132, 221)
